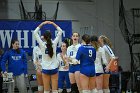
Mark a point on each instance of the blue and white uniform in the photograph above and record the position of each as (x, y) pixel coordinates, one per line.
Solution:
(37, 60)
(63, 74)
(87, 55)
(108, 54)
(49, 65)
(37, 57)
(71, 53)
(100, 60)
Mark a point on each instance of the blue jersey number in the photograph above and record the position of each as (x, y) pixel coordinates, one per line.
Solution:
(90, 53)
(46, 51)
(62, 63)
(71, 53)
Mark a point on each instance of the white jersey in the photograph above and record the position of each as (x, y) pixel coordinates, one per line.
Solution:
(72, 51)
(61, 63)
(37, 56)
(100, 57)
(48, 63)
(108, 53)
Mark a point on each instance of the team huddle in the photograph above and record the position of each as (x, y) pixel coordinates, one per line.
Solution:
(82, 67)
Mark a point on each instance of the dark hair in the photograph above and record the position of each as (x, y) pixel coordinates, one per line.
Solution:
(94, 38)
(64, 43)
(47, 37)
(77, 33)
(68, 42)
(12, 42)
(86, 38)
(94, 42)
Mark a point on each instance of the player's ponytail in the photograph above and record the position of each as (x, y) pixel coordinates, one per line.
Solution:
(106, 40)
(86, 38)
(94, 42)
(47, 37)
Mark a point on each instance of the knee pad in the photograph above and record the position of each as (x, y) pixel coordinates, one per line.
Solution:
(94, 91)
(54, 91)
(46, 91)
(100, 91)
(106, 90)
(68, 90)
(85, 91)
(40, 88)
(60, 90)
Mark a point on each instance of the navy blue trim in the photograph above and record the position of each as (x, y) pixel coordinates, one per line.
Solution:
(108, 49)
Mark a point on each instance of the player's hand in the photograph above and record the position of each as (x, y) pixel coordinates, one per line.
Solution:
(46, 22)
(5, 74)
(74, 61)
(42, 37)
(26, 75)
(66, 67)
(78, 62)
(69, 59)
(107, 69)
(50, 22)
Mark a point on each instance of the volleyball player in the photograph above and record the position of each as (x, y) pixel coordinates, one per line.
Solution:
(100, 59)
(87, 55)
(63, 69)
(49, 60)
(74, 69)
(37, 60)
(106, 45)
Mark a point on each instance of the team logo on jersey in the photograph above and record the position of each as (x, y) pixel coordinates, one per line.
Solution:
(16, 57)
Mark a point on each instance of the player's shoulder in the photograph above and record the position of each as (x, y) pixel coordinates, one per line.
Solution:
(58, 54)
(81, 47)
(36, 47)
(70, 47)
(101, 49)
(105, 46)
(78, 45)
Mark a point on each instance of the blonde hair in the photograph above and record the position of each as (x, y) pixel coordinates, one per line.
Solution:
(106, 40)
(95, 45)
